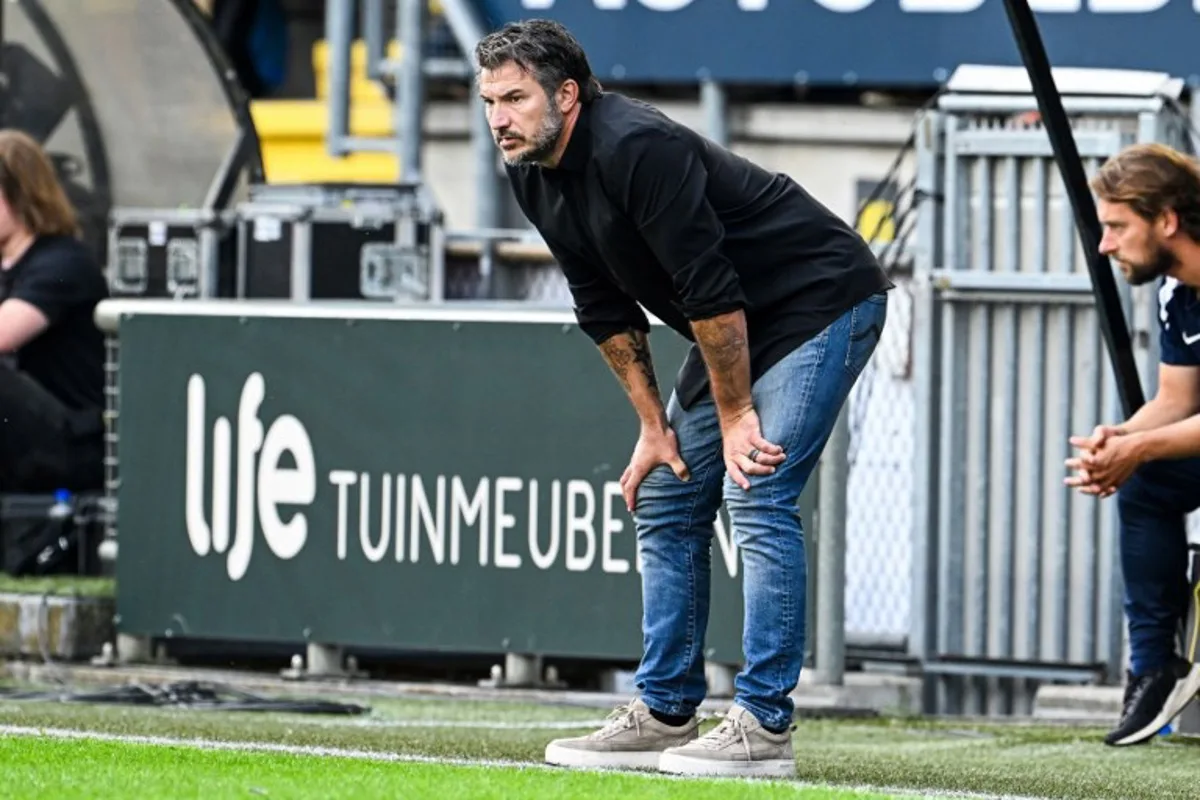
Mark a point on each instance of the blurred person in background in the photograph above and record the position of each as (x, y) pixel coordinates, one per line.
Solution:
(254, 35)
(785, 304)
(52, 376)
(1148, 200)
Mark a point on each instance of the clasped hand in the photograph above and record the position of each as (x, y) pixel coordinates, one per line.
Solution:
(1106, 460)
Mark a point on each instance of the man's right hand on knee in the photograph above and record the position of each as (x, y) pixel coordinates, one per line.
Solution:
(654, 446)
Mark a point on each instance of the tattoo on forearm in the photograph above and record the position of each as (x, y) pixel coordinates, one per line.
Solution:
(723, 342)
(628, 352)
(619, 357)
(641, 357)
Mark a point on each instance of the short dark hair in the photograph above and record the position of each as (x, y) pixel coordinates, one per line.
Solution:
(1151, 178)
(543, 48)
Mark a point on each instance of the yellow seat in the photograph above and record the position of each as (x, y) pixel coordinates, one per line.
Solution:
(361, 87)
(292, 137)
(292, 133)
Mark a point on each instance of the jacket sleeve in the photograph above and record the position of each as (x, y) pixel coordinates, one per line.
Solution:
(601, 308)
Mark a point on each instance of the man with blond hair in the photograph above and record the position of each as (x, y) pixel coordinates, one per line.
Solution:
(1148, 200)
(52, 384)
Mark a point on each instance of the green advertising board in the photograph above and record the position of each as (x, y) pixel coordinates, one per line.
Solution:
(440, 478)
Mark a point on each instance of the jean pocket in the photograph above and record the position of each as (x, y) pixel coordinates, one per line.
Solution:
(866, 328)
(877, 299)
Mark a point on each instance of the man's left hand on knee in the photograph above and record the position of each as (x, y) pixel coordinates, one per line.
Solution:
(746, 451)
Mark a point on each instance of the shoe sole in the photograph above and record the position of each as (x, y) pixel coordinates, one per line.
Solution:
(1177, 701)
(686, 765)
(598, 759)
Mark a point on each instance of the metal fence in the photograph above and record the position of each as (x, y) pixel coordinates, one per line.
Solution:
(879, 487)
(1016, 576)
(878, 526)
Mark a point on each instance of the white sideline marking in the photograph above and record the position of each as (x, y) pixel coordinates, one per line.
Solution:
(488, 725)
(470, 724)
(407, 758)
(473, 724)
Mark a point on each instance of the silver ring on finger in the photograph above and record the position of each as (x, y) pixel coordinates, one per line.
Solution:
(753, 456)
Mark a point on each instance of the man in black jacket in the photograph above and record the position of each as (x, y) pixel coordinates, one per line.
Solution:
(785, 304)
(52, 381)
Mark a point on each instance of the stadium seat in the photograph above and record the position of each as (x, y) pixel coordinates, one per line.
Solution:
(292, 137)
(292, 132)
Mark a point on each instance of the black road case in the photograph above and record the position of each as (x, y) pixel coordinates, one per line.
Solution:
(176, 253)
(341, 241)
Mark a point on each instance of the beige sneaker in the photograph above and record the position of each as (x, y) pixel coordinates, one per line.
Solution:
(631, 739)
(738, 746)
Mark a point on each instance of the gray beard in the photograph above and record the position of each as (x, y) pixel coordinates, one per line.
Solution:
(542, 145)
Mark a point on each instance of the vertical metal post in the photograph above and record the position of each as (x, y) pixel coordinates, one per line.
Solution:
(465, 23)
(487, 182)
(301, 263)
(716, 111)
(339, 20)
(1193, 133)
(410, 111)
(372, 31)
(487, 210)
(487, 196)
(926, 322)
(468, 29)
(830, 652)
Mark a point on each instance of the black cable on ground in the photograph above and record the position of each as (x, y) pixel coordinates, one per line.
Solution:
(188, 695)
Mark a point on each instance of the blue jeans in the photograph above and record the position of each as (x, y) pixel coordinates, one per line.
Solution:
(1152, 505)
(798, 401)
